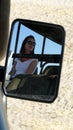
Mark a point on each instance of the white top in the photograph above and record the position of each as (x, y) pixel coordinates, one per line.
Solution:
(21, 67)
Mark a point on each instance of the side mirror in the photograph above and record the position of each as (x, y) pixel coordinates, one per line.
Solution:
(36, 75)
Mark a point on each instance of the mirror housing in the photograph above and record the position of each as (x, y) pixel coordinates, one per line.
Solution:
(43, 84)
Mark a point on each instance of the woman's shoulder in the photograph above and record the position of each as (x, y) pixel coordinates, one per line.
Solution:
(34, 60)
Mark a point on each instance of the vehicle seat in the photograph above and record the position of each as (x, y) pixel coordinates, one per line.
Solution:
(51, 70)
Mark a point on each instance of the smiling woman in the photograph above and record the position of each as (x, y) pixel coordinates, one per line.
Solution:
(25, 65)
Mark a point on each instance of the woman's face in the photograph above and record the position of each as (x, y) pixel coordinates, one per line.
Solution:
(29, 46)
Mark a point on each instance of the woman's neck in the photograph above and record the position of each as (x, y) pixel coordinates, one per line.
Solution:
(27, 52)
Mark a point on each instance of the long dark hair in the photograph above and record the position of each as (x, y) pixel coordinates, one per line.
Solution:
(22, 50)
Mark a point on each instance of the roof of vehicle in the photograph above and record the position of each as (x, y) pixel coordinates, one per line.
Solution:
(52, 31)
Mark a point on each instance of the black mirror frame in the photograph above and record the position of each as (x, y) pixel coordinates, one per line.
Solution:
(62, 41)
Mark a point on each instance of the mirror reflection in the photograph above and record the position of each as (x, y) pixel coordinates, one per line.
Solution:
(34, 59)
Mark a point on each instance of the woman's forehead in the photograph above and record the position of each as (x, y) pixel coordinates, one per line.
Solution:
(30, 38)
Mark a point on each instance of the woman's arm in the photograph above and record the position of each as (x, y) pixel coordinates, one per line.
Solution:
(31, 67)
(13, 70)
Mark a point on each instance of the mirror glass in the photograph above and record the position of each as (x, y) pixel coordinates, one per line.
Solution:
(34, 60)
